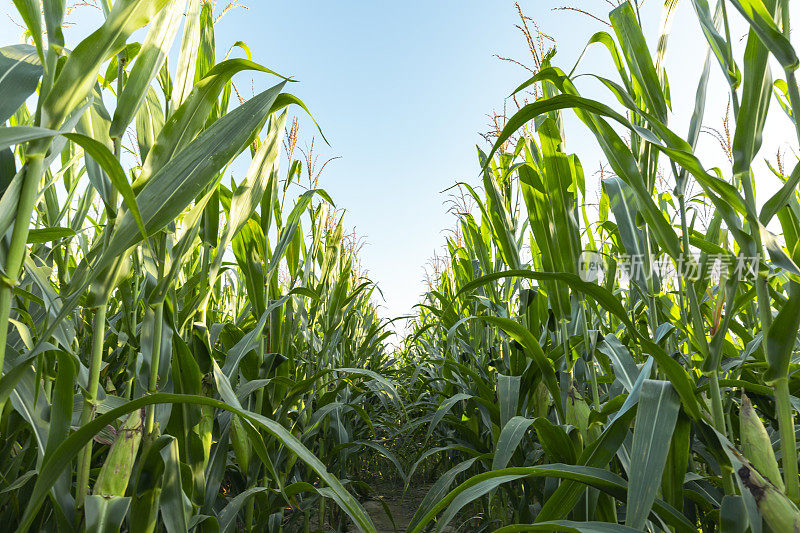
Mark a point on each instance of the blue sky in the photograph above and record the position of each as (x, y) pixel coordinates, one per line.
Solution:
(403, 89)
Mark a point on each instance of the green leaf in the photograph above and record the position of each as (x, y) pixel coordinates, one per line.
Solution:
(110, 164)
(597, 455)
(106, 515)
(291, 225)
(606, 40)
(149, 122)
(56, 462)
(634, 48)
(438, 490)
(780, 199)
(182, 179)
(756, 94)
(625, 370)
(762, 22)
(481, 484)
(20, 70)
(181, 248)
(623, 205)
(31, 13)
(443, 409)
(716, 42)
(501, 221)
(206, 48)
(148, 63)
(41, 235)
(389, 387)
(147, 489)
(732, 514)
(187, 120)
(173, 512)
(20, 134)
(533, 350)
(781, 336)
(619, 155)
(227, 518)
(79, 73)
(633, 397)
(655, 422)
(673, 370)
(60, 421)
(508, 397)
(187, 60)
(54, 19)
(777, 254)
(250, 192)
(555, 441)
(510, 437)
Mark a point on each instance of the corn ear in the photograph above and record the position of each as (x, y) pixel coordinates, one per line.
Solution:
(241, 444)
(116, 471)
(542, 400)
(756, 444)
(578, 413)
(778, 510)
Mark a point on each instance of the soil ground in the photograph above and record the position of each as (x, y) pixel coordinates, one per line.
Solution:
(401, 506)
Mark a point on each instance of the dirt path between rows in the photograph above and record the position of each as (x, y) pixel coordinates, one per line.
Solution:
(401, 506)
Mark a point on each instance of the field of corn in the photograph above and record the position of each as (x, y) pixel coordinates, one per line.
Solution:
(188, 347)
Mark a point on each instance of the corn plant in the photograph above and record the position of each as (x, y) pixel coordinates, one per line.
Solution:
(569, 403)
(179, 354)
(194, 347)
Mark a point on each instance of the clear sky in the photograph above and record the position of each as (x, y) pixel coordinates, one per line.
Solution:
(402, 90)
